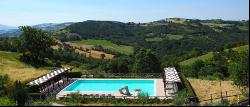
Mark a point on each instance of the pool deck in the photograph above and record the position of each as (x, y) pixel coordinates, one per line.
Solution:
(158, 82)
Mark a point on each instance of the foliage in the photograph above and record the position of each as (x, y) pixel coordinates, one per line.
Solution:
(228, 64)
(37, 43)
(119, 65)
(5, 101)
(222, 102)
(11, 44)
(239, 69)
(184, 37)
(4, 85)
(187, 87)
(19, 93)
(180, 97)
(47, 102)
(143, 100)
(75, 98)
(146, 62)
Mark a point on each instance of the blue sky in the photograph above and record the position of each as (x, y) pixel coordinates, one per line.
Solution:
(30, 12)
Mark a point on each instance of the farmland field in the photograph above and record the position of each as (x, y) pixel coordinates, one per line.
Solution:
(204, 88)
(106, 44)
(95, 54)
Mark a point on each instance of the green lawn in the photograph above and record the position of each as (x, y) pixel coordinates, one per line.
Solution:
(210, 55)
(106, 44)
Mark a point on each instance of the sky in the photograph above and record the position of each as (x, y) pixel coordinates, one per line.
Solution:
(31, 12)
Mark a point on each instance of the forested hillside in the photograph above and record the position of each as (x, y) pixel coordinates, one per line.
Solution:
(173, 40)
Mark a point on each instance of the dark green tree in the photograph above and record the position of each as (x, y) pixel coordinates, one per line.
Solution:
(119, 65)
(36, 42)
(4, 84)
(197, 65)
(239, 69)
(146, 62)
(19, 93)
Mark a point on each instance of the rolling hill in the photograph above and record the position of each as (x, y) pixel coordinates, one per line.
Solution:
(210, 55)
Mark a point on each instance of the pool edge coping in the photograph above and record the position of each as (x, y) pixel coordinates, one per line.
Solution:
(76, 79)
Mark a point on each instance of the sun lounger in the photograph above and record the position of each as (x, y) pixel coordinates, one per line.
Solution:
(90, 76)
(91, 95)
(97, 96)
(85, 96)
(83, 76)
(103, 96)
(109, 96)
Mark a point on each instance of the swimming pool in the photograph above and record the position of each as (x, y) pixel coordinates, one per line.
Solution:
(147, 86)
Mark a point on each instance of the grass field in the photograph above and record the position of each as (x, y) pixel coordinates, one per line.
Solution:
(95, 54)
(210, 55)
(106, 44)
(204, 88)
(10, 65)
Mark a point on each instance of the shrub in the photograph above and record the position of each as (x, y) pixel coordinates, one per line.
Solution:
(143, 97)
(4, 101)
(180, 97)
(74, 74)
(75, 63)
(19, 93)
(47, 102)
(75, 98)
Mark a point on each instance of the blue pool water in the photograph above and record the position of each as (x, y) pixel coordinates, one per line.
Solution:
(147, 86)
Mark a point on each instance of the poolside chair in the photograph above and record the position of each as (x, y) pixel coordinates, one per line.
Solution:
(103, 96)
(90, 76)
(83, 76)
(109, 96)
(85, 96)
(97, 96)
(91, 95)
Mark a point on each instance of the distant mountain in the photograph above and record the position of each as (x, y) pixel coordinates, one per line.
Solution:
(5, 27)
(52, 26)
(45, 26)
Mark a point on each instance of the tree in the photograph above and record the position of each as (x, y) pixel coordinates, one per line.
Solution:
(37, 42)
(3, 84)
(146, 62)
(197, 65)
(19, 93)
(119, 65)
(239, 69)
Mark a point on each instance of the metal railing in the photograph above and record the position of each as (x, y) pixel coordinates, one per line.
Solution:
(123, 75)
